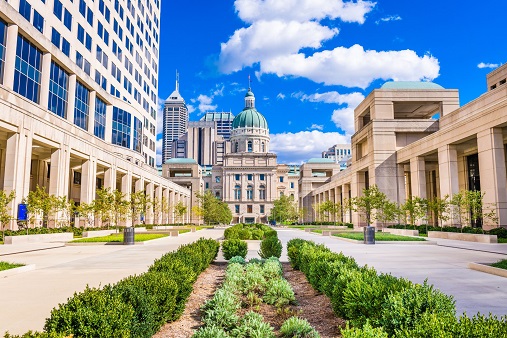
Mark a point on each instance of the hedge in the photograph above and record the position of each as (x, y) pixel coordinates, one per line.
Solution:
(381, 304)
(136, 306)
(254, 231)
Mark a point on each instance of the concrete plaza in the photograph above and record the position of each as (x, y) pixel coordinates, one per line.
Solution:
(28, 297)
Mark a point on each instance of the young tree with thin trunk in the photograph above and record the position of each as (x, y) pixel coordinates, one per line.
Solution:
(180, 210)
(5, 209)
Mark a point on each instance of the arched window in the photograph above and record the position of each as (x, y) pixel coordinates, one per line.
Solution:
(249, 192)
(263, 147)
(236, 147)
(281, 193)
(249, 146)
(262, 192)
(217, 194)
(237, 192)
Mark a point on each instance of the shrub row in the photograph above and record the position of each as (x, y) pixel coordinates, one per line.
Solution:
(137, 306)
(249, 285)
(379, 305)
(249, 231)
(423, 229)
(270, 247)
(349, 225)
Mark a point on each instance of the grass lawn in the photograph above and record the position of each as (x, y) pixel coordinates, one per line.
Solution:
(119, 238)
(500, 264)
(380, 236)
(502, 240)
(7, 266)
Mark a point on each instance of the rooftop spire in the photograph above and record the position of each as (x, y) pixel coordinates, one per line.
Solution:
(249, 83)
(177, 81)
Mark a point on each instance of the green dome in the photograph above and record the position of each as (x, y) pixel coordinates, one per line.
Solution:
(249, 117)
(249, 93)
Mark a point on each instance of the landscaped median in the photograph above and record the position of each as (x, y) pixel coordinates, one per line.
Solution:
(381, 305)
(118, 238)
(379, 236)
(136, 306)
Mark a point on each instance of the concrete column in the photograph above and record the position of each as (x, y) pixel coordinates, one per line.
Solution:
(88, 180)
(345, 196)
(418, 176)
(18, 151)
(356, 186)
(59, 171)
(493, 174)
(109, 124)
(167, 206)
(126, 189)
(10, 55)
(91, 112)
(71, 103)
(401, 184)
(110, 178)
(448, 173)
(172, 203)
(158, 217)
(150, 189)
(44, 85)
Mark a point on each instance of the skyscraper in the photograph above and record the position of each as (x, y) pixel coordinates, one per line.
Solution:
(175, 121)
(223, 122)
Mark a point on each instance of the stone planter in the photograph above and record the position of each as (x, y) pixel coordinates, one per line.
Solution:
(40, 238)
(458, 236)
(488, 269)
(98, 233)
(401, 232)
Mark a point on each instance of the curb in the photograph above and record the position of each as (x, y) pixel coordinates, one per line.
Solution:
(15, 271)
(482, 267)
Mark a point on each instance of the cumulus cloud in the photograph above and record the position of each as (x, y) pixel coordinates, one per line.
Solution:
(264, 40)
(285, 37)
(354, 66)
(298, 147)
(280, 96)
(315, 126)
(205, 103)
(303, 10)
(343, 118)
(190, 108)
(389, 18)
(487, 65)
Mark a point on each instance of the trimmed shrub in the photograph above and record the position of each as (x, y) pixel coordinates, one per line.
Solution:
(432, 325)
(32, 334)
(257, 234)
(499, 232)
(245, 234)
(234, 247)
(481, 326)
(295, 327)
(253, 325)
(403, 309)
(367, 331)
(271, 247)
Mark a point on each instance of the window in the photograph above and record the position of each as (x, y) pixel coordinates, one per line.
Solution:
(217, 179)
(261, 177)
(82, 63)
(292, 185)
(3, 29)
(262, 192)
(281, 193)
(250, 177)
(121, 127)
(249, 208)
(237, 177)
(138, 135)
(27, 73)
(58, 87)
(217, 194)
(261, 208)
(58, 9)
(77, 177)
(99, 128)
(81, 109)
(237, 192)
(280, 179)
(236, 208)
(249, 192)
(249, 146)
(60, 42)
(25, 9)
(67, 20)
(206, 185)
(263, 147)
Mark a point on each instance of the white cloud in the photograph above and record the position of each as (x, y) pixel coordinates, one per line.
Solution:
(301, 146)
(280, 96)
(158, 145)
(281, 35)
(389, 18)
(354, 67)
(487, 65)
(190, 108)
(264, 40)
(303, 10)
(205, 103)
(315, 126)
(343, 118)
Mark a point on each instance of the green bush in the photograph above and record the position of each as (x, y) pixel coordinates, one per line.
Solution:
(253, 325)
(245, 234)
(367, 331)
(499, 232)
(279, 293)
(220, 311)
(295, 327)
(257, 234)
(432, 325)
(249, 231)
(92, 313)
(403, 309)
(271, 247)
(234, 247)
(210, 332)
(237, 259)
(481, 326)
(32, 334)
(232, 233)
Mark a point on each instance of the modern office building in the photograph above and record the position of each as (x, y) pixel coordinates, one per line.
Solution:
(223, 122)
(175, 121)
(78, 98)
(402, 148)
(338, 152)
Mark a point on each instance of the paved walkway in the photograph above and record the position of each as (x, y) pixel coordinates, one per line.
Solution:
(443, 266)
(27, 298)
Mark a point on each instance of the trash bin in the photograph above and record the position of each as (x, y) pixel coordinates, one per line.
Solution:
(128, 236)
(369, 235)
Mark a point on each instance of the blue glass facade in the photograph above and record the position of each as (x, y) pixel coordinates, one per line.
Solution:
(27, 72)
(99, 128)
(121, 127)
(138, 135)
(82, 106)
(3, 32)
(58, 90)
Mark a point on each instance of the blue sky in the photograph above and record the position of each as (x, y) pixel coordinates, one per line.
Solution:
(312, 61)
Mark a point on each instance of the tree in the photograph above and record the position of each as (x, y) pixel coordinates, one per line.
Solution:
(87, 211)
(213, 210)
(387, 212)
(414, 209)
(121, 207)
(180, 210)
(330, 208)
(39, 202)
(139, 203)
(5, 209)
(371, 200)
(284, 210)
(440, 208)
(103, 206)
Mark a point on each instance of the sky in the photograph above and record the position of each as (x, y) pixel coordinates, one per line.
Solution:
(311, 62)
